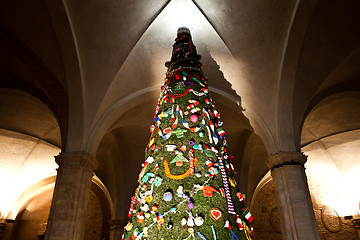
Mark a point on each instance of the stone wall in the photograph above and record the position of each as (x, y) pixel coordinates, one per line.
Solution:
(266, 215)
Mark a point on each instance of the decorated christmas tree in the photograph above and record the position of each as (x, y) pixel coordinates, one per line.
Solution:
(186, 186)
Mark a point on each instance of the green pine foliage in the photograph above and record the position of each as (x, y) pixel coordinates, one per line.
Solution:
(181, 186)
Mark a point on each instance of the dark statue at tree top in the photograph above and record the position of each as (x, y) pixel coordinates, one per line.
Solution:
(186, 187)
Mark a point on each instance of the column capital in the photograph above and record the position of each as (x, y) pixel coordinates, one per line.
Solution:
(281, 159)
(118, 223)
(76, 159)
(2, 227)
(356, 223)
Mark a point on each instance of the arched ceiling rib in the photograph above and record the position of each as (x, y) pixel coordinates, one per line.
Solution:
(331, 38)
(290, 56)
(104, 39)
(140, 71)
(21, 112)
(335, 114)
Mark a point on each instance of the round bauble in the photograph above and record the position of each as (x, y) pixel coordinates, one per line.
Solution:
(168, 196)
(199, 221)
(194, 118)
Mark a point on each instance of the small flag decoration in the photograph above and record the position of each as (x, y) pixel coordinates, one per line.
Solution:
(247, 215)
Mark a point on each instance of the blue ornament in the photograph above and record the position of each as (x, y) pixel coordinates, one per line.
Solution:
(167, 196)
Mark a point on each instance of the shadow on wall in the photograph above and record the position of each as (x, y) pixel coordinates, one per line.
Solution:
(247, 147)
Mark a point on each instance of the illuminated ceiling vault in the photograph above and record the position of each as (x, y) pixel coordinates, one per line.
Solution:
(97, 68)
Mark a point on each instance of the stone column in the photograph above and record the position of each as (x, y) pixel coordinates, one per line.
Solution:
(356, 223)
(2, 226)
(71, 196)
(117, 228)
(297, 218)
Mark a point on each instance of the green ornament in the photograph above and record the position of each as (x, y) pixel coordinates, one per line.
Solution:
(158, 180)
(180, 86)
(179, 132)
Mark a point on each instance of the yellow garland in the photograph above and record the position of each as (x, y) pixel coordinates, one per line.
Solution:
(247, 231)
(177, 177)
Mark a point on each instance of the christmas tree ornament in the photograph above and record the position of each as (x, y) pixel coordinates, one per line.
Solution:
(197, 146)
(215, 214)
(239, 222)
(194, 118)
(199, 221)
(170, 225)
(232, 182)
(181, 176)
(183, 148)
(240, 196)
(154, 208)
(191, 231)
(190, 204)
(186, 153)
(208, 191)
(247, 215)
(157, 182)
(160, 220)
(128, 226)
(168, 196)
(170, 147)
(183, 222)
(144, 208)
(145, 231)
(180, 192)
(190, 221)
(149, 198)
(222, 192)
(135, 233)
(141, 219)
(132, 205)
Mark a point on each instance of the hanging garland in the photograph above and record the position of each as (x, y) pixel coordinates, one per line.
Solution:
(178, 177)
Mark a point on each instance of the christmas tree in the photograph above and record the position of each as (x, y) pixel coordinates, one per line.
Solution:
(186, 186)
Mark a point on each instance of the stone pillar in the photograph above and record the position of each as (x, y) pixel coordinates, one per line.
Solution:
(71, 196)
(356, 223)
(297, 218)
(2, 226)
(117, 228)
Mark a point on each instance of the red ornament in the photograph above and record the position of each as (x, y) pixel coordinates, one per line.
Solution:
(215, 214)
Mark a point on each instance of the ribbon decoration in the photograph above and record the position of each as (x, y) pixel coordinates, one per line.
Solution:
(202, 236)
(226, 187)
(213, 231)
(233, 235)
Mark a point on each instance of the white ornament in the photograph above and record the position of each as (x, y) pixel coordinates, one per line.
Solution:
(199, 221)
